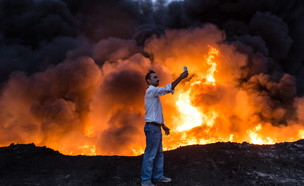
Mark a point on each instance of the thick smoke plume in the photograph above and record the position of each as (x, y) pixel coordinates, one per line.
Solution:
(72, 72)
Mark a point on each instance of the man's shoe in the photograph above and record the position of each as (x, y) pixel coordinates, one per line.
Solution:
(163, 179)
(147, 184)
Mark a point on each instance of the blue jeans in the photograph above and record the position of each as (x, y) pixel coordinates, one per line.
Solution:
(153, 161)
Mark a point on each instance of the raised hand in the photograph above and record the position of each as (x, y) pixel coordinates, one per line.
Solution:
(184, 74)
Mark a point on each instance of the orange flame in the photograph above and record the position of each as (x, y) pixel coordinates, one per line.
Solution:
(213, 52)
(193, 117)
(256, 139)
(87, 150)
(197, 124)
(190, 115)
(206, 108)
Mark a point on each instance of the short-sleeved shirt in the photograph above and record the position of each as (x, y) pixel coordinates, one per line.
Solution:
(153, 107)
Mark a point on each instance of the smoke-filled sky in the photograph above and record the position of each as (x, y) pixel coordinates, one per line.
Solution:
(72, 71)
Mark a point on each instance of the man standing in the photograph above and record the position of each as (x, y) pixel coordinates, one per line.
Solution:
(153, 161)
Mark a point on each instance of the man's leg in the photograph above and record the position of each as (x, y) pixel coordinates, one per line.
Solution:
(152, 142)
(158, 171)
(158, 165)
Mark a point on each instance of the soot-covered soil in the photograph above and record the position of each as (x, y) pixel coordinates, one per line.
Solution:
(212, 164)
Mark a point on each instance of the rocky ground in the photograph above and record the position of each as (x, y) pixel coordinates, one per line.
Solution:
(213, 164)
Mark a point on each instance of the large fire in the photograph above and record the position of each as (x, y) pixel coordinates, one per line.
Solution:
(100, 110)
(191, 117)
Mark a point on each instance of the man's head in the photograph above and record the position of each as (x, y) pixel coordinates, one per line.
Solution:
(152, 78)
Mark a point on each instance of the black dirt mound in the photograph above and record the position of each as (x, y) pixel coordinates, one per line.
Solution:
(212, 164)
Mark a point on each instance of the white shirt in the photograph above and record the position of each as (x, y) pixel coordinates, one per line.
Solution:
(154, 111)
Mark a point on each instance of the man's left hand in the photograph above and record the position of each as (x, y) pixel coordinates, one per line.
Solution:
(166, 129)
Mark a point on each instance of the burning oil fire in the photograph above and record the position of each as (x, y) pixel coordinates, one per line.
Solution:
(192, 117)
(100, 110)
(189, 114)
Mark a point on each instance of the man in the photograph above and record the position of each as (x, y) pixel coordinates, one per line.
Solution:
(153, 161)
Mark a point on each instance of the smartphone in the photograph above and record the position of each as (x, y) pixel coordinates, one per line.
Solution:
(185, 68)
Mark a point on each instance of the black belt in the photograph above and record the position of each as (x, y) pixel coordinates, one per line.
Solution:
(153, 123)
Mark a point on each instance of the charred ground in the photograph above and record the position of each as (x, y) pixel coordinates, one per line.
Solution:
(212, 164)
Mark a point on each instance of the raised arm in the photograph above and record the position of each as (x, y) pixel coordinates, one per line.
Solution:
(182, 76)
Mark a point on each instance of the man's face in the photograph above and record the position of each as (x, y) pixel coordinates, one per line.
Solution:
(153, 80)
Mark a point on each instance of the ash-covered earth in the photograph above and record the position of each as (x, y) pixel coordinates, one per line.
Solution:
(212, 164)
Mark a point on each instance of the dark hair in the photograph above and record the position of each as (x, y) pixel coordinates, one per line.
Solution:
(148, 75)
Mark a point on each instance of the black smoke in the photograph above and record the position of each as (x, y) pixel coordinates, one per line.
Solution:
(42, 43)
(37, 33)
